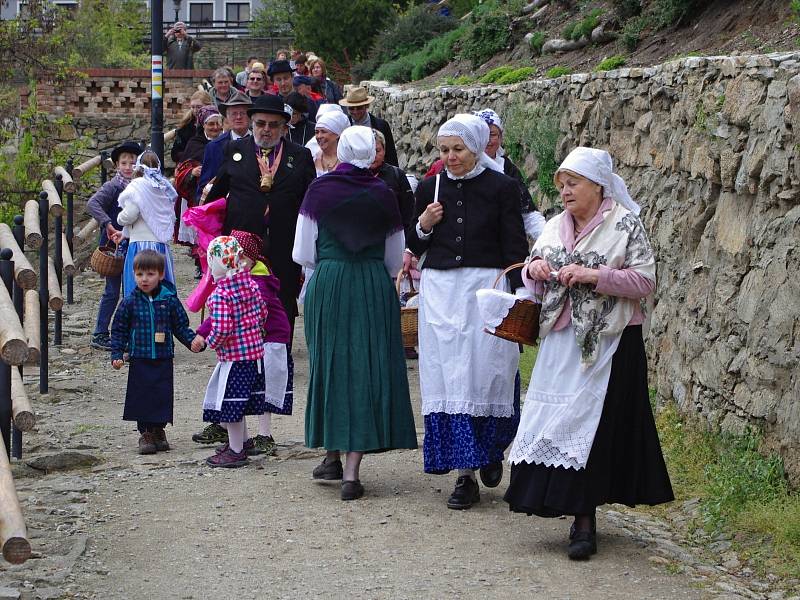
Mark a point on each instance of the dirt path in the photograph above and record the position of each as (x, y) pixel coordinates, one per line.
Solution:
(167, 526)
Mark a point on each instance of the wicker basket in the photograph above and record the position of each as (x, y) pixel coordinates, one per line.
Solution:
(408, 314)
(106, 261)
(521, 324)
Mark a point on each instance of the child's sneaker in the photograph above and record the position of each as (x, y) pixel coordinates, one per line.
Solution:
(247, 447)
(212, 434)
(261, 444)
(228, 459)
(101, 341)
(160, 437)
(147, 443)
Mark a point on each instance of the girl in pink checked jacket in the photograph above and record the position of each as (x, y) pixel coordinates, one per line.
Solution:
(238, 317)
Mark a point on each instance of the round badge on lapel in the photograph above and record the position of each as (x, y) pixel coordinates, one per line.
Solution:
(237, 157)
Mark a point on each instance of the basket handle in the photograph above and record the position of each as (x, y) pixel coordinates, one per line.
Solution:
(400, 278)
(511, 268)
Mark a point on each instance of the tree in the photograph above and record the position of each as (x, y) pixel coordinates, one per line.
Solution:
(273, 17)
(340, 30)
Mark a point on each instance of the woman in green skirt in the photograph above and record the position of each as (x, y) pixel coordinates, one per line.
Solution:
(349, 231)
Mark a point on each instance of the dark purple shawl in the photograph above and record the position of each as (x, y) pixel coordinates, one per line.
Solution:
(357, 208)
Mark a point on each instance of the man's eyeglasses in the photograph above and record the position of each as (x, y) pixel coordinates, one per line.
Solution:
(271, 124)
(255, 79)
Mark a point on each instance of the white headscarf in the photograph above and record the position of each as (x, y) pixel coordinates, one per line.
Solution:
(357, 146)
(596, 165)
(492, 118)
(154, 196)
(326, 108)
(153, 175)
(474, 132)
(335, 122)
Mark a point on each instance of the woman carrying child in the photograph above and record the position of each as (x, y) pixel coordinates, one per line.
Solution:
(238, 319)
(147, 216)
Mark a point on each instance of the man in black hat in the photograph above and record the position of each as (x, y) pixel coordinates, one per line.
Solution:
(238, 124)
(281, 73)
(265, 179)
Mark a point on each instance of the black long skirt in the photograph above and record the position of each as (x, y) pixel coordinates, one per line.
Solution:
(625, 465)
(150, 391)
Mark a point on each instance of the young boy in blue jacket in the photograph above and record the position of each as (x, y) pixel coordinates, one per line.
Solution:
(144, 324)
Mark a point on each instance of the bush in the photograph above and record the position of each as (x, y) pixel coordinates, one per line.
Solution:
(569, 30)
(516, 76)
(538, 39)
(495, 74)
(489, 33)
(586, 25)
(632, 31)
(612, 62)
(625, 9)
(396, 71)
(558, 71)
(673, 12)
(409, 33)
(534, 129)
(432, 57)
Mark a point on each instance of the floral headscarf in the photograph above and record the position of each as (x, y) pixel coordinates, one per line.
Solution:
(224, 257)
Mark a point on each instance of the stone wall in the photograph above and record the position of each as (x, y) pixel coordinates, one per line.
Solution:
(709, 148)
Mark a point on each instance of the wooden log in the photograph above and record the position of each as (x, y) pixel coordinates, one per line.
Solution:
(84, 167)
(66, 179)
(30, 325)
(53, 199)
(13, 535)
(87, 230)
(33, 233)
(23, 271)
(66, 257)
(13, 347)
(21, 410)
(56, 301)
(170, 135)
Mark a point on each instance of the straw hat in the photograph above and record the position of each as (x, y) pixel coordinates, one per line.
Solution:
(357, 96)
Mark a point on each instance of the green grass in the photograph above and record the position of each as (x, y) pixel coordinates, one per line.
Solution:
(496, 74)
(538, 39)
(516, 76)
(526, 361)
(610, 63)
(558, 71)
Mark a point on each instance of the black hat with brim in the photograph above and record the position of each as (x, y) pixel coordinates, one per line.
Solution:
(128, 146)
(279, 66)
(269, 104)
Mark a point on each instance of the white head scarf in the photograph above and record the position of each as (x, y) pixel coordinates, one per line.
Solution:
(357, 146)
(492, 118)
(596, 165)
(153, 175)
(326, 108)
(474, 132)
(335, 122)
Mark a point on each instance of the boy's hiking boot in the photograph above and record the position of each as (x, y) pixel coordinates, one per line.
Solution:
(160, 437)
(212, 434)
(147, 443)
(261, 444)
(101, 341)
(228, 459)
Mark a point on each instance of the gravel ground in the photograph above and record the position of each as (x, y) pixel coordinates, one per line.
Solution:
(107, 523)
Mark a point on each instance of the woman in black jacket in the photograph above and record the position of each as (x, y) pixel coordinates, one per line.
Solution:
(395, 178)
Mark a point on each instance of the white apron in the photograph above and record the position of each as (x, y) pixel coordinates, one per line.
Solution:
(564, 403)
(215, 391)
(276, 374)
(462, 369)
(186, 233)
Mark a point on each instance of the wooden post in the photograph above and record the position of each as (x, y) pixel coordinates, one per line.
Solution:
(23, 271)
(13, 348)
(170, 135)
(24, 419)
(30, 325)
(66, 257)
(82, 168)
(66, 178)
(13, 535)
(55, 207)
(33, 236)
(54, 300)
(86, 232)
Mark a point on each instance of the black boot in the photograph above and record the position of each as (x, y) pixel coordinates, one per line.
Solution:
(582, 543)
(465, 494)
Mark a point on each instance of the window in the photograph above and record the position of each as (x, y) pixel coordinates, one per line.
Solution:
(201, 12)
(237, 12)
(66, 5)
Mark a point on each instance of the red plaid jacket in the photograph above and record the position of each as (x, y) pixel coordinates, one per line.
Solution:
(238, 317)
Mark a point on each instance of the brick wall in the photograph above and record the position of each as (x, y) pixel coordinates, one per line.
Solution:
(120, 93)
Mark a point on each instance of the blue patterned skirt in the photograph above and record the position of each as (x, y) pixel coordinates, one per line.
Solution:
(240, 397)
(462, 441)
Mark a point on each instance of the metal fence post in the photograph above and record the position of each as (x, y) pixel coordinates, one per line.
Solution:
(70, 231)
(103, 170)
(7, 276)
(58, 260)
(44, 293)
(19, 306)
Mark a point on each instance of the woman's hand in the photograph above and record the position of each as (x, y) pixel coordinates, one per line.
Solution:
(572, 275)
(539, 270)
(117, 364)
(197, 170)
(432, 215)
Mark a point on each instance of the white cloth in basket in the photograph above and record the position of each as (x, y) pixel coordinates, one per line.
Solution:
(494, 305)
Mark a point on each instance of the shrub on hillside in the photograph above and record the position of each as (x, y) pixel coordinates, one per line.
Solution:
(537, 41)
(625, 9)
(495, 74)
(488, 34)
(558, 71)
(409, 33)
(432, 57)
(610, 63)
(516, 76)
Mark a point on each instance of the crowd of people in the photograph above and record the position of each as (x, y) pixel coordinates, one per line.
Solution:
(287, 190)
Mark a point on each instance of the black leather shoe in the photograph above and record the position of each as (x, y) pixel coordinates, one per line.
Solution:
(465, 494)
(329, 471)
(352, 490)
(582, 544)
(492, 474)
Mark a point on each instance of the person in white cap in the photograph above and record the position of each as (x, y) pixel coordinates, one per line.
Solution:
(587, 435)
(467, 223)
(350, 232)
(327, 131)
